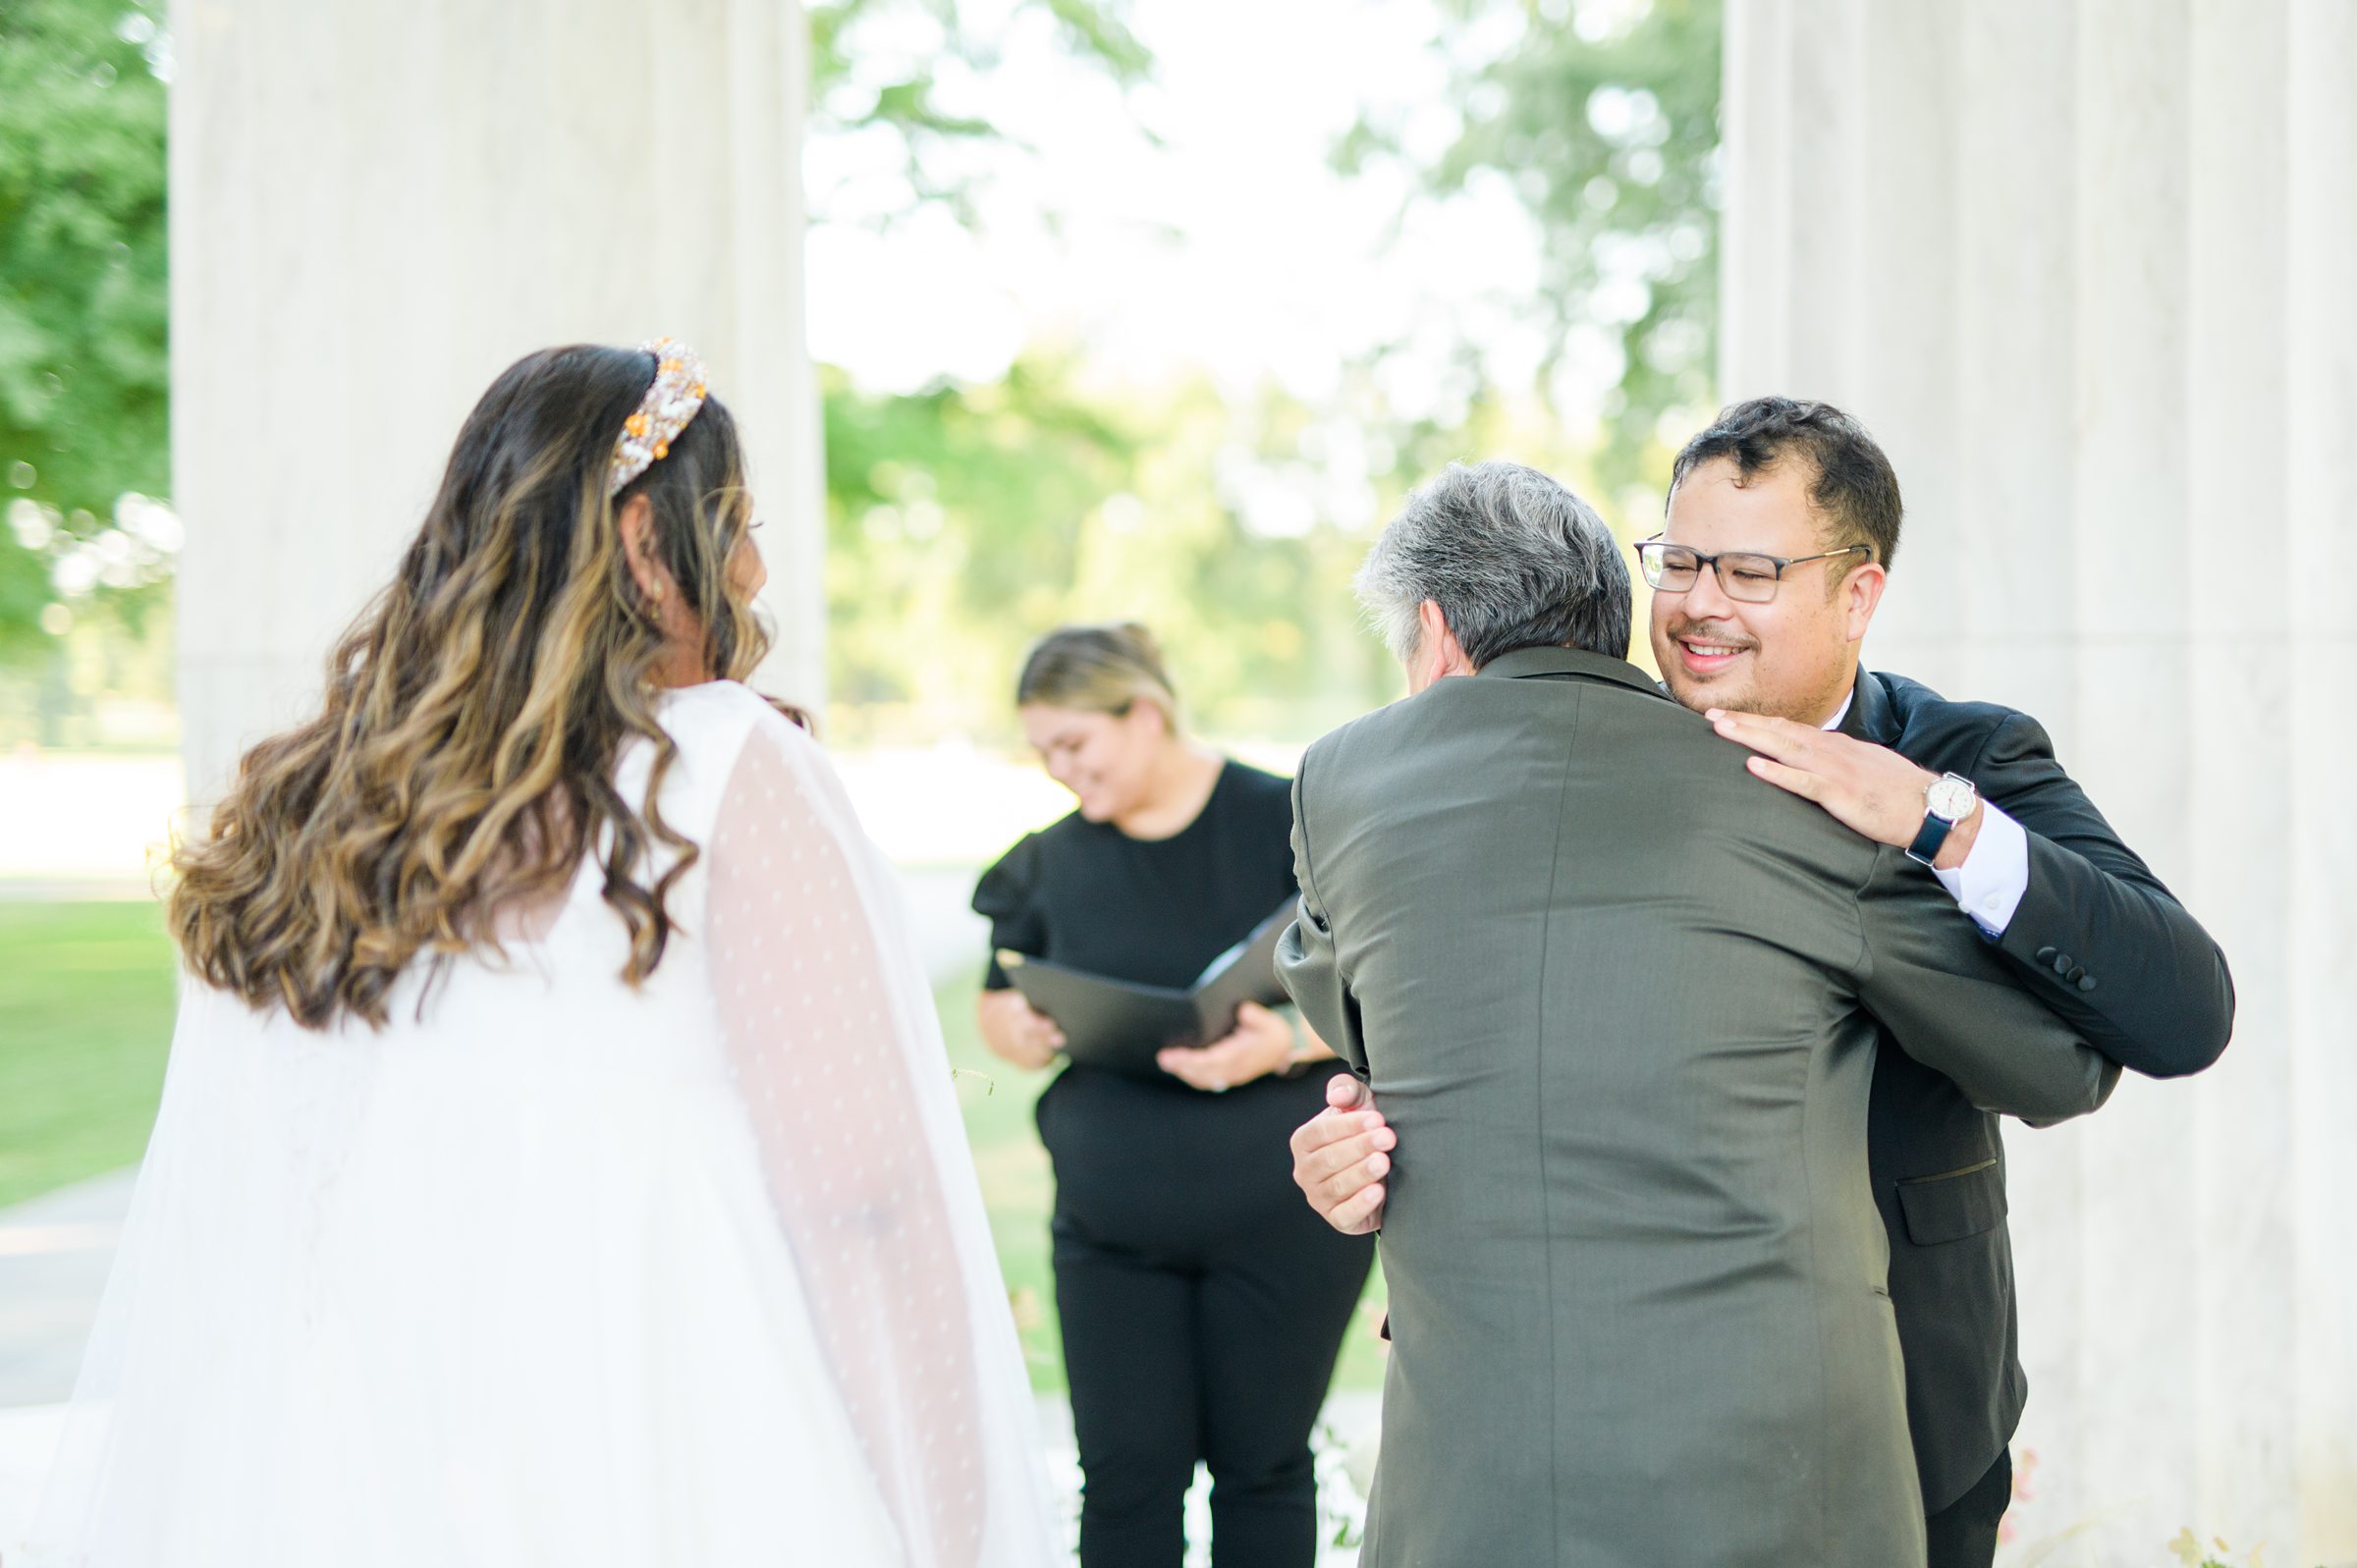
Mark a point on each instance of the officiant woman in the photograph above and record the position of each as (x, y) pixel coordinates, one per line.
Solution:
(1202, 1302)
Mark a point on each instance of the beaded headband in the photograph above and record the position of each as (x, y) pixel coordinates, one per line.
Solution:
(673, 400)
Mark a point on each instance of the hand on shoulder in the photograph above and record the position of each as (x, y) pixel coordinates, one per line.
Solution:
(1870, 789)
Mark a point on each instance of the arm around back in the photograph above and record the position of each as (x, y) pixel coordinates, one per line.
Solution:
(2162, 1002)
(1952, 1004)
(1306, 960)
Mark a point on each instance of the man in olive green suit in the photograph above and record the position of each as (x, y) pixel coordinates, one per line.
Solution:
(1616, 991)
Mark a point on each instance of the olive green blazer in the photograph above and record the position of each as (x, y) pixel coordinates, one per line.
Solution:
(1614, 994)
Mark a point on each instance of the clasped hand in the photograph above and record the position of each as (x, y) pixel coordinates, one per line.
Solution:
(1016, 1032)
(1342, 1155)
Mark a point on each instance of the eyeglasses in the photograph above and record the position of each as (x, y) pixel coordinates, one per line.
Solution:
(1742, 576)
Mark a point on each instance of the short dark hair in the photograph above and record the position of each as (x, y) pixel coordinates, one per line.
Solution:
(1854, 490)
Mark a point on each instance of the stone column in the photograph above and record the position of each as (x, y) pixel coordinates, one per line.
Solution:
(2089, 269)
(378, 204)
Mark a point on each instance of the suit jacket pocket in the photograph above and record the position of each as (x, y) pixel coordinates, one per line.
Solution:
(1953, 1207)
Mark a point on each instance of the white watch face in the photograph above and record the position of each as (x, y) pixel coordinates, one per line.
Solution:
(1949, 798)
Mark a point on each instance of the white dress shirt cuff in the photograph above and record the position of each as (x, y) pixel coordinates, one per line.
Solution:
(1995, 872)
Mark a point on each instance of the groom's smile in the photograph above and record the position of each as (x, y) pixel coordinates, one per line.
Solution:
(1707, 648)
(1793, 655)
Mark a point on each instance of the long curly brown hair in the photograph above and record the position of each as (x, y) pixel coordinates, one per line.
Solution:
(463, 764)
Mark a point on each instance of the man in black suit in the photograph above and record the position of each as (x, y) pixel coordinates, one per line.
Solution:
(1783, 519)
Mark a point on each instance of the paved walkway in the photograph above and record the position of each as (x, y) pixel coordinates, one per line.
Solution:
(54, 1253)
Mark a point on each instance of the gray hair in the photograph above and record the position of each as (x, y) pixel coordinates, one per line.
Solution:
(1512, 558)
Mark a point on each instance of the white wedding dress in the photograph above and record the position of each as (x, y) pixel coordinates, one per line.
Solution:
(554, 1271)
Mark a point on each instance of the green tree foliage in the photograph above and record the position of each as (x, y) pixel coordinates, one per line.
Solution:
(24, 594)
(954, 516)
(1603, 118)
(83, 349)
(964, 522)
(84, 374)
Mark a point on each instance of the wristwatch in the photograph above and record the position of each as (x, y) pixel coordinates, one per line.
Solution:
(1946, 800)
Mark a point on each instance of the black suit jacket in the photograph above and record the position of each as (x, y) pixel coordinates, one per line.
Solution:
(2101, 941)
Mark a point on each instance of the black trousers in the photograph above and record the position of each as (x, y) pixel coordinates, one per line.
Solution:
(1963, 1535)
(1203, 1306)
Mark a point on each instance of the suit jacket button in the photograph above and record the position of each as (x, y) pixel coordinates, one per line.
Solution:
(2086, 982)
(2076, 976)
(2046, 955)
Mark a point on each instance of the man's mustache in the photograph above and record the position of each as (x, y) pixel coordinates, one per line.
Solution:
(1709, 631)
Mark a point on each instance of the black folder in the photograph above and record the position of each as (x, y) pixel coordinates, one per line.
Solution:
(1121, 1024)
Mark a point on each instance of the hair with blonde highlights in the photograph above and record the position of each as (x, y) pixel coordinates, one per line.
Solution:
(463, 764)
(1098, 670)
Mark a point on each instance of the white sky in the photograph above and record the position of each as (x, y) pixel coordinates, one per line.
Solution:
(1232, 246)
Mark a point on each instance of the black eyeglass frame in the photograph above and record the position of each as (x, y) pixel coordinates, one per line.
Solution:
(1652, 571)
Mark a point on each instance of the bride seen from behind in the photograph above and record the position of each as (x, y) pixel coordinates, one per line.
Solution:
(536, 1179)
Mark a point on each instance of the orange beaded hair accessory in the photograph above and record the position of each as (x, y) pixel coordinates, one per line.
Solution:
(677, 393)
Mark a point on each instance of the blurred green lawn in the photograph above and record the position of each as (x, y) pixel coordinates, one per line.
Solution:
(86, 1019)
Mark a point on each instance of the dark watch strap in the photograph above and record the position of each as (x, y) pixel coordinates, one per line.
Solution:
(1929, 837)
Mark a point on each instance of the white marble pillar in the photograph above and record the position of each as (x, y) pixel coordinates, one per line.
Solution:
(2089, 270)
(378, 204)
